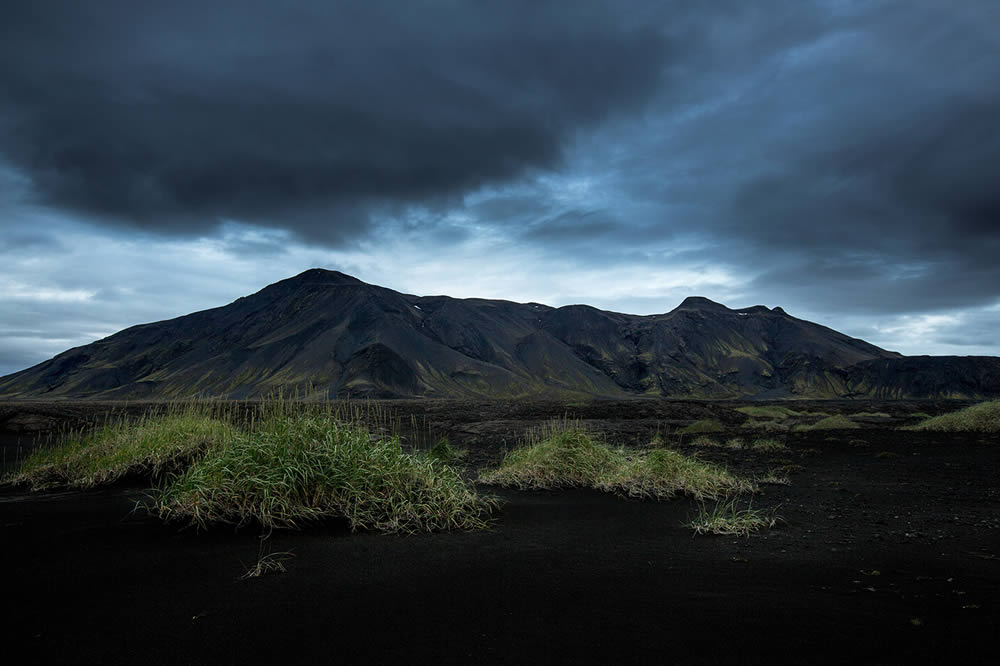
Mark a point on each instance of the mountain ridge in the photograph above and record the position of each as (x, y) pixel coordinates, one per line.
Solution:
(335, 335)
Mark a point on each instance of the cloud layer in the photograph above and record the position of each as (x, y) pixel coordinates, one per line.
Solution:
(177, 115)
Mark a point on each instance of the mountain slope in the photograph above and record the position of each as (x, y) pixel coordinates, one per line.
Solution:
(340, 336)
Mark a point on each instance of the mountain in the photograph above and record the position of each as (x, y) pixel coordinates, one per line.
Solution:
(342, 337)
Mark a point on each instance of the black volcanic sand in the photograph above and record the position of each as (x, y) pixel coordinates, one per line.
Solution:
(889, 553)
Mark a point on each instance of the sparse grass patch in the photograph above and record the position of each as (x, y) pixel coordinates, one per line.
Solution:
(885, 455)
(767, 445)
(705, 440)
(564, 455)
(726, 518)
(858, 443)
(268, 562)
(759, 444)
(984, 417)
(290, 470)
(152, 446)
(837, 422)
(773, 478)
(873, 415)
(703, 425)
(920, 415)
(664, 473)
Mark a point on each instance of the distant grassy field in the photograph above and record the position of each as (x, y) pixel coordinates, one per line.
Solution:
(984, 417)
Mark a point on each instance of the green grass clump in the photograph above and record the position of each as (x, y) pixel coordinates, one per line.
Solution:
(291, 470)
(703, 425)
(984, 417)
(558, 456)
(836, 422)
(726, 519)
(568, 456)
(705, 440)
(873, 415)
(664, 473)
(768, 412)
(152, 446)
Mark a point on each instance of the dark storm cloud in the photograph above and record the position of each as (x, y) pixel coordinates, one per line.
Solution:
(851, 158)
(170, 116)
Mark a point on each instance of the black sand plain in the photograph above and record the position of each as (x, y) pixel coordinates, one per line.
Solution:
(888, 553)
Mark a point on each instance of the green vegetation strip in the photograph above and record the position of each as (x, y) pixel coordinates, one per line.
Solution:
(283, 469)
(568, 456)
(984, 417)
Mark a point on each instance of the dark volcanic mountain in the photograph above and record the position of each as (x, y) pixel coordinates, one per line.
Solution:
(340, 336)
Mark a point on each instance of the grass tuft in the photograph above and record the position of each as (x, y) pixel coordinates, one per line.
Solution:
(152, 446)
(296, 469)
(267, 562)
(559, 455)
(726, 519)
(664, 473)
(774, 478)
(767, 444)
(703, 425)
(567, 456)
(705, 440)
(984, 417)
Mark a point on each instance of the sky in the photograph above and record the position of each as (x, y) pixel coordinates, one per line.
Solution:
(838, 158)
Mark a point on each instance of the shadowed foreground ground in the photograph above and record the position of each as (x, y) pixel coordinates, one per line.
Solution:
(883, 559)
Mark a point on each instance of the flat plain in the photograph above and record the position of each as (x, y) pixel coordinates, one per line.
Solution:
(887, 550)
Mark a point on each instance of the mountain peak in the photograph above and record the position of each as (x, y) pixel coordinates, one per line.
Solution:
(700, 303)
(324, 276)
